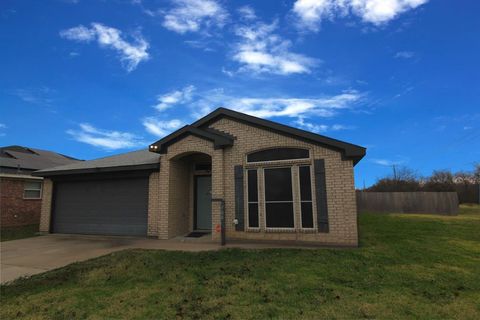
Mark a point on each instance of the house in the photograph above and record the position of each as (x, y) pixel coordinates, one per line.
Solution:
(21, 193)
(261, 180)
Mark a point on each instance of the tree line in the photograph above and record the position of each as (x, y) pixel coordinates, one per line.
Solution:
(404, 179)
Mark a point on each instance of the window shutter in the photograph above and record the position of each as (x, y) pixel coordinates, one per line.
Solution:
(239, 198)
(321, 195)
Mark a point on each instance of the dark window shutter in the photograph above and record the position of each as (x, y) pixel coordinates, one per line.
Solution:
(321, 194)
(239, 198)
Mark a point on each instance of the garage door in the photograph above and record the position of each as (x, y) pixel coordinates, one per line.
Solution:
(105, 207)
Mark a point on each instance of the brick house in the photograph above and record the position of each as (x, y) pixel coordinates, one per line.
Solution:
(258, 179)
(21, 193)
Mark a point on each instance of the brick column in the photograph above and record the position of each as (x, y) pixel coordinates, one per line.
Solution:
(46, 211)
(153, 203)
(163, 198)
(218, 190)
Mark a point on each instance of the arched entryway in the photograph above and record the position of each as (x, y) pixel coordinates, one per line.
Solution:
(190, 193)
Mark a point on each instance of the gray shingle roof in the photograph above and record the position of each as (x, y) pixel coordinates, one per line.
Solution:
(140, 158)
(25, 158)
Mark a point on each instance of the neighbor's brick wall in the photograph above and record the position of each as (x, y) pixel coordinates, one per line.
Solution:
(16, 211)
(46, 205)
(341, 199)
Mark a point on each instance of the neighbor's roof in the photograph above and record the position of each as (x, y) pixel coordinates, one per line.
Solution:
(348, 150)
(25, 158)
(135, 160)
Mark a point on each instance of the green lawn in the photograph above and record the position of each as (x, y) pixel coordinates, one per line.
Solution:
(408, 266)
(15, 233)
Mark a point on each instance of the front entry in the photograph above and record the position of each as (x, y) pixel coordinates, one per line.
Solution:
(203, 203)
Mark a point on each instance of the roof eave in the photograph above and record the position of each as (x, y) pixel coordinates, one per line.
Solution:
(148, 166)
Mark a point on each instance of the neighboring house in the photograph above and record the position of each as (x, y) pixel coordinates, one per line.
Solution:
(277, 183)
(21, 193)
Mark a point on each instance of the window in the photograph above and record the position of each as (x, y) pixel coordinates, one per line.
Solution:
(278, 154)
(32, 190)
(306, 197)
(252, 199)
(279, 198)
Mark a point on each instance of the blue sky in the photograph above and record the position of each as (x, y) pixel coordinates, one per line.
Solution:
(95, 78)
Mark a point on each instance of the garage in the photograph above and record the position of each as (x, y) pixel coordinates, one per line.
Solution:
(103, 207)
(106, 196)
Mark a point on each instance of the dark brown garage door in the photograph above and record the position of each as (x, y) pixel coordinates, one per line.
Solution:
(104, 207)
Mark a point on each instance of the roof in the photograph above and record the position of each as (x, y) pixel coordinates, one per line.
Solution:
(135, 160)
(25, 158)
(219, 139)
(348, 150)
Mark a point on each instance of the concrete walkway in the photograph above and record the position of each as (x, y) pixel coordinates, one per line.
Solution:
(39, 254)
(30, 256)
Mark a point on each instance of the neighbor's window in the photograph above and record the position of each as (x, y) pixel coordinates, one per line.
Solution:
(279, 198)
(306, 197)
(32, 190)
(252, 198)
(278, 154)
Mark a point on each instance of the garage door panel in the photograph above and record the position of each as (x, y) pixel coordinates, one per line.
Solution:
(110, 207)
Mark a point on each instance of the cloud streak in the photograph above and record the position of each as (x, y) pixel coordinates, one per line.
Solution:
(261, 50)
(166, 101)
(130, 53)
(161, 128)
(105, 139)
(310, 13)
(194, 16)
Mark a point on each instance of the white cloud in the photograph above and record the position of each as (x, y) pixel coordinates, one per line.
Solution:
(194, 16)
(247, 13)
(111, 140)
(270, 107)
(3, 126)
(161, 128)
(131, 54)
(319, 128)
(166, 101)
(404, 55)
(260, 50)
(40, 95)
(310, 13)
(387, 162)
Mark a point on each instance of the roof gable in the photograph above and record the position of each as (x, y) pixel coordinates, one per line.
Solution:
(348, 150)
(219, 139)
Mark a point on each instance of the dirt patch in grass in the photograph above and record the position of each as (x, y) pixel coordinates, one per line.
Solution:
(406, 267)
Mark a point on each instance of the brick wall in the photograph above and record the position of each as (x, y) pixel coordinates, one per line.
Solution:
(16, 211)
(46, 205)
(339, 180)
(339, 183)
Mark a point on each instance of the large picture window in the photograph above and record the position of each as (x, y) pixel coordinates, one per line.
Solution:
(306, 197)
(279, 198)
(252, 198)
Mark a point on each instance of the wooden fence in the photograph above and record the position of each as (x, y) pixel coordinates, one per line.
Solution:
(408, 202)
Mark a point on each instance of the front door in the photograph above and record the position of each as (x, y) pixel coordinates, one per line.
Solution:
(203, 203)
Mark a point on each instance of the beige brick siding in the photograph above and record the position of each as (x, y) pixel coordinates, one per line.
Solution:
(46, 205)
(153, 203)
(339, 180)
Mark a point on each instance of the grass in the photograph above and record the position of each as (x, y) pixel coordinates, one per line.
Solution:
(15, 233)
(408, 266)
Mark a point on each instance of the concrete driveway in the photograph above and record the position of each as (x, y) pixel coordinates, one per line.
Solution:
(39, 254)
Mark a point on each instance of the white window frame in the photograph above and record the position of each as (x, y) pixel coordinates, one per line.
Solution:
(248, 202)
(314, 207)
(26, 189)
(265, 201)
